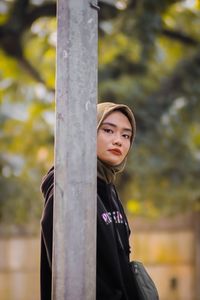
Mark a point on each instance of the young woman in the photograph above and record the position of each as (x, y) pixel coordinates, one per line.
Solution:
(115, 135)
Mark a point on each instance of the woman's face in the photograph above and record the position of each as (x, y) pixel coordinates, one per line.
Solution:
(114, 138)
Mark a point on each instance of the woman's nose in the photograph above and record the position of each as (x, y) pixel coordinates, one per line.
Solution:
(117, 141)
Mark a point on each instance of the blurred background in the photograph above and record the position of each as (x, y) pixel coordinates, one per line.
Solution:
(149, 58)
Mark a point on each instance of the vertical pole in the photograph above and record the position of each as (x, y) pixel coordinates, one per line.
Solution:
(74, 235)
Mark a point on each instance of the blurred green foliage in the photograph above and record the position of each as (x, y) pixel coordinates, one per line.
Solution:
(149, 58)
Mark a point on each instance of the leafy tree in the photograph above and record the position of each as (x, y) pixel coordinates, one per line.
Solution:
(148, 58)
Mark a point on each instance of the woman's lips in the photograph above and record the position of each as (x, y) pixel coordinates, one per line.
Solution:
(115, 152)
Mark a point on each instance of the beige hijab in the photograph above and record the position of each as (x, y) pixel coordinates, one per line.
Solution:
(104, 171)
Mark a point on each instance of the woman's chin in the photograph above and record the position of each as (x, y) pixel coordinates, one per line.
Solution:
(113, 162)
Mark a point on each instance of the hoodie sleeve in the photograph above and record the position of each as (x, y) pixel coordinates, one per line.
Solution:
(47, 189)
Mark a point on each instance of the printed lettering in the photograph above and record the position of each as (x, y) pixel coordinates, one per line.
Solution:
(108, 217)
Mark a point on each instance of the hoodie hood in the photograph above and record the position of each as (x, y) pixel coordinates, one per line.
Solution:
(47, 183)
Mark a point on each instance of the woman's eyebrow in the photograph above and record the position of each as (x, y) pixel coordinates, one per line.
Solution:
(114, 125)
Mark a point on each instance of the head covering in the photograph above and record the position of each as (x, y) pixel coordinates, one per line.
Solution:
(104, 171)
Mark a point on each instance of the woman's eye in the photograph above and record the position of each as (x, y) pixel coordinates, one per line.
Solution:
(108, 130)
(126, 136)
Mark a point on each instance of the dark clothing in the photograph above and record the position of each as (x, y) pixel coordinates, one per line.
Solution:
(46, 236)
(114, 280)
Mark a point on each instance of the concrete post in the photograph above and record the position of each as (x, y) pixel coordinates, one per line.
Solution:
(74, 236)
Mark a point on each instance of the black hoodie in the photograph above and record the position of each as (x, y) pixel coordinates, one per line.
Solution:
(114, 280)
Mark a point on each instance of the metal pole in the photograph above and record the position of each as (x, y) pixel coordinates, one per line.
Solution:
(74, 235)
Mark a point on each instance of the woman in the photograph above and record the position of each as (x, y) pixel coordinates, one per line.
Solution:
(115, 135)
